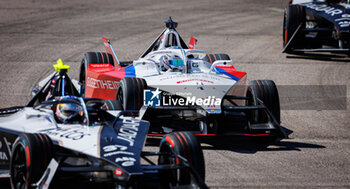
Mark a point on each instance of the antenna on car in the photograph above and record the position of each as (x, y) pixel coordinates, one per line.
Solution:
(170, 23)
(62, 70)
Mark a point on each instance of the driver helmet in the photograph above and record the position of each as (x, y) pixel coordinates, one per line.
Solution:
(173, 63)
(69, 113)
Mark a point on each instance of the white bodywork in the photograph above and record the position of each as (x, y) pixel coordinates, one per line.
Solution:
(75, 137)
(200, 80)
(302, 1)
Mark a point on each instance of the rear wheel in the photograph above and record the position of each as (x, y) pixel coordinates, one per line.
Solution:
(130, 93)
(294, 15)
(214, 57)
(113, 105)
(186, 145)
(31, 154)
(92, 58)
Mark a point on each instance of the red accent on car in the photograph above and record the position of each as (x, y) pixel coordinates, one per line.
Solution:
(205, 134)
(101, 67)
(171, 142)
(285, 36)
(101, 83)
(108, 48)
(233, 71)
(256, 134)
(192, 43)
(188, 148)
(27, 156)
(118, 172)
(153, 134)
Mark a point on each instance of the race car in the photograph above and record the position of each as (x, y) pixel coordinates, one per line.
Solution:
(178, 87)
(317, 26)
(61, 136)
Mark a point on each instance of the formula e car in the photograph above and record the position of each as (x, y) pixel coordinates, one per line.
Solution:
(59, 136)
(176, 87)
(317, 26)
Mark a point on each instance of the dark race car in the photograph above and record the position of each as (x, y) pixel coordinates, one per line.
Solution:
(317, 26)
(59, 136)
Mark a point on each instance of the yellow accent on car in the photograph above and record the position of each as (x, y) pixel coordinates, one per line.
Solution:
(60, 66)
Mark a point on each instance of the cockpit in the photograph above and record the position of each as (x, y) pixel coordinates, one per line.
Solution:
(169, 53)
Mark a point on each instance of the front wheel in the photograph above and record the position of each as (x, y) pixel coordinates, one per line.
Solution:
(267, 92)
(294, 15)
(130, 93)
(186, 145)
(31, 154)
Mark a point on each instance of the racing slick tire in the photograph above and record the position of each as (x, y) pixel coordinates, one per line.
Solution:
(130, 93)
(186, 145)
(294, 15)
(31, 154)
(214, 57)
(92, 58)
(267, 92)
(113, 105)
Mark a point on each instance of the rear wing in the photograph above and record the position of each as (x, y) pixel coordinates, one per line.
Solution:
(109, 49)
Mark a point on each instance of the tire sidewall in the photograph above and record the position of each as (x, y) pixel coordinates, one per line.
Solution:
(132, 89)
(186, 145)
(267, 92)
(38, 151)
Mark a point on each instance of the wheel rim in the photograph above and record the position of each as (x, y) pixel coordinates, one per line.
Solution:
(19, 168)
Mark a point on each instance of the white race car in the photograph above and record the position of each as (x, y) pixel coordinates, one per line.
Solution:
(177, 87)
(59, 136)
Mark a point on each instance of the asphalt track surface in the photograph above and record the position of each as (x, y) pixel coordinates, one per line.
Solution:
(35, 33)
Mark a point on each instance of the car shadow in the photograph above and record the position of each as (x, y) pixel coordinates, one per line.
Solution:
(253, 145)
(248, 145)
(321, 57)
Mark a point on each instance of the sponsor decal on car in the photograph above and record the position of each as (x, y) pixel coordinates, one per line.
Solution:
(189, 80)
(128, 131)
(72, 133)
(121, 153)
(102, 84)
(324, 8)
(111, 150)
(344, 21)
